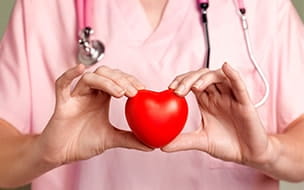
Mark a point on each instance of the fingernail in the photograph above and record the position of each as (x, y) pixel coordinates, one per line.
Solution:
(198, 84)
(141, 87)
(173, 85)
(180, 89)
(132, 92)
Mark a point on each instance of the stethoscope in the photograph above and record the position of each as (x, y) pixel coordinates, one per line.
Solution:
(91, 51)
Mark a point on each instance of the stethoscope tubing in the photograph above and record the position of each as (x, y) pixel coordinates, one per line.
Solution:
(84, 9)
(254, 62)
(204, 5)
(92, 51)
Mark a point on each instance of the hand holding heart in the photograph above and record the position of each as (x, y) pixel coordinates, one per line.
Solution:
(231, 129)
(80, 128)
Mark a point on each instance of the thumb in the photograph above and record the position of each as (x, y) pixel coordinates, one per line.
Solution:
(126, 139)
(187, 141)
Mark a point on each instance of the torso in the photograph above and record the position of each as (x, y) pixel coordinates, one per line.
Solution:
(155, 50)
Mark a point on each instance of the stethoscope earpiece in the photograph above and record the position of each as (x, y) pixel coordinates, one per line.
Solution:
(90, 51)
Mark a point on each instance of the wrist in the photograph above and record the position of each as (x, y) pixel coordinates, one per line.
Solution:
(267, 161)
(44, 158)
(27, 158)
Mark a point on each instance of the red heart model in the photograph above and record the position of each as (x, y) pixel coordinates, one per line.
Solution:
(156, 118)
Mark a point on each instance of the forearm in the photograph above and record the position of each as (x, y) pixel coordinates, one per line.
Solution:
(21, 159)
(286, 155)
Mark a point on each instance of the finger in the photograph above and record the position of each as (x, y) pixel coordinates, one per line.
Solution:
(209, 78)
(173, 85)
(126, 139)
(185, 85)
(92, 81)
(63, 83)
(238, 87)
(119, 78)
(187, 141)
(135, 82)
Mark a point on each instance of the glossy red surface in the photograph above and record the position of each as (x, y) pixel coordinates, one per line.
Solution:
(156, 118)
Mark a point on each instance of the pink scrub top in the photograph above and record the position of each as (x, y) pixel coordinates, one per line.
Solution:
(40, 44)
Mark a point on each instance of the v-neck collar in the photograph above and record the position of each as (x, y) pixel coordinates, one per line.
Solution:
(138, 26)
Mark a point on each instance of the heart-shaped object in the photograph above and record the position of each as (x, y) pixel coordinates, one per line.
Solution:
(156, 118)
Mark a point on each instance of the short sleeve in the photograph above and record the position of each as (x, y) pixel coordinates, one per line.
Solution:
(290, 47)
(15, 87)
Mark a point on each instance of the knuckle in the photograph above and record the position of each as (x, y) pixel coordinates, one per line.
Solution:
(109, 86)
(131, 78)
(121, 80)
(202, 70)
(86, 77)
(185, 80)
(117, 71)
(212, 76)
(102, 69)
(179, 78)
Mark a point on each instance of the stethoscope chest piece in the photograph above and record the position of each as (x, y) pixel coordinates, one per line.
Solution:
(89, 51)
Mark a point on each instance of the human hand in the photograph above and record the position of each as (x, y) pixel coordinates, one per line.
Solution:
(231, 129)
(80, 128)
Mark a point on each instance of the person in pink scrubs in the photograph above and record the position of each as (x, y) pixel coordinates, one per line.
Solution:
(76, 139)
